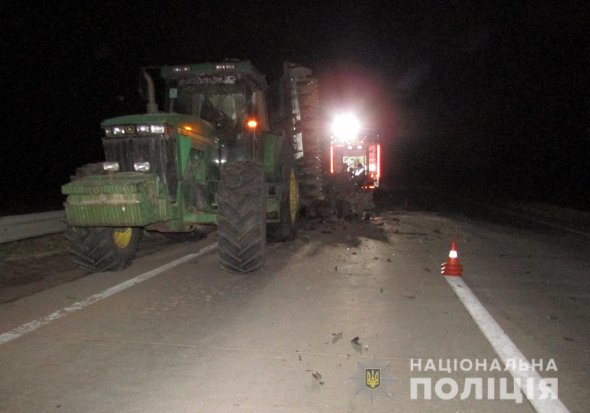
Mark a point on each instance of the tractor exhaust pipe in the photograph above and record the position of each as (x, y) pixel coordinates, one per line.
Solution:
(152, 106)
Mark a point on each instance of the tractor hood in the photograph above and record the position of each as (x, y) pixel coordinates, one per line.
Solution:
(154, 139)
(171, 121)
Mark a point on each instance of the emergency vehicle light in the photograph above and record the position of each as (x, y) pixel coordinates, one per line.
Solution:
(345, 127)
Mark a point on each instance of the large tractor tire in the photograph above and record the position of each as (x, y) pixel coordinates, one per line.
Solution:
(100, 249)
(242, 217)
(286, 229)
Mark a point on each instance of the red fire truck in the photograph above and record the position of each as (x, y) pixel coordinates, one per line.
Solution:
(359, 154)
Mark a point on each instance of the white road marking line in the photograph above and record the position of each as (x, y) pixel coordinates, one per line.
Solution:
(40, 322)
(503, 345)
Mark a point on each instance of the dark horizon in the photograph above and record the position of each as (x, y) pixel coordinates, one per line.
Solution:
(478, 98)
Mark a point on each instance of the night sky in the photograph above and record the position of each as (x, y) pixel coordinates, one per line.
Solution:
(481, 96)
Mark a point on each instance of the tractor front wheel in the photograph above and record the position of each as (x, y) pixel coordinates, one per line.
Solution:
(100, 249)
(242, 217)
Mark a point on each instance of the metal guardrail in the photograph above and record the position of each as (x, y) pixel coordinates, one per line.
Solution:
(17, 227)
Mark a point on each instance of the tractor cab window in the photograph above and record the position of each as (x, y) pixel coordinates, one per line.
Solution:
(227, 103)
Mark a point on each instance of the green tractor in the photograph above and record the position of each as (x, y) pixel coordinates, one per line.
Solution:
(208, 159)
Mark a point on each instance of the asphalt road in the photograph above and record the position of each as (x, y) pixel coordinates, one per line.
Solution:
(193, 338)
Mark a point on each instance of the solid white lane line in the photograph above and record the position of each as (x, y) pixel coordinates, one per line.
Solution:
(40, 322)
(503, 346)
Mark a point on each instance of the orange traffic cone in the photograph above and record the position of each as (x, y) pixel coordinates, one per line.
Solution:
(452, 265)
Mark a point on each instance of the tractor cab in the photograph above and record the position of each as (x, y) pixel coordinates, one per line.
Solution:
(229, 96)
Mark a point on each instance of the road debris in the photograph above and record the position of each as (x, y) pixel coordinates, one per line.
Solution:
(316, 375)
(357, 345)
(336, 337)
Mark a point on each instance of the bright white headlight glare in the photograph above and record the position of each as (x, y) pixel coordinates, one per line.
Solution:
(345, 127)
(150, 129)
(143, 129)
(141, 166)
(118, 130)
(110, 166)
(157, 129)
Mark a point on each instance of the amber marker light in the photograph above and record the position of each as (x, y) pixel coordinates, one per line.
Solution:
(252, 123)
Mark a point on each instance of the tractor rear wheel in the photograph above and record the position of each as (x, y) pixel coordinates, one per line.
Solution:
(242, 217)
(100, 249)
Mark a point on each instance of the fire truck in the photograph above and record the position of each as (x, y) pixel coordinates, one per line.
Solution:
(359, 154)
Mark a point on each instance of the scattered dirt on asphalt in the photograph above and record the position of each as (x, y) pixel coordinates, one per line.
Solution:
(33, 265)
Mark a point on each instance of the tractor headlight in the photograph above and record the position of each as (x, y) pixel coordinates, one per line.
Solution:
(130, 130)
(157, 129)
(118, 130)
(141, 166)
(151, 129)
(110, 166)
(143, 129)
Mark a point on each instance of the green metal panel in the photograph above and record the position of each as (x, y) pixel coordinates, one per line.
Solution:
(200, 218)
(184, 147)
(114, 183)
(129, 215)
(121, 199)
(270, 155)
